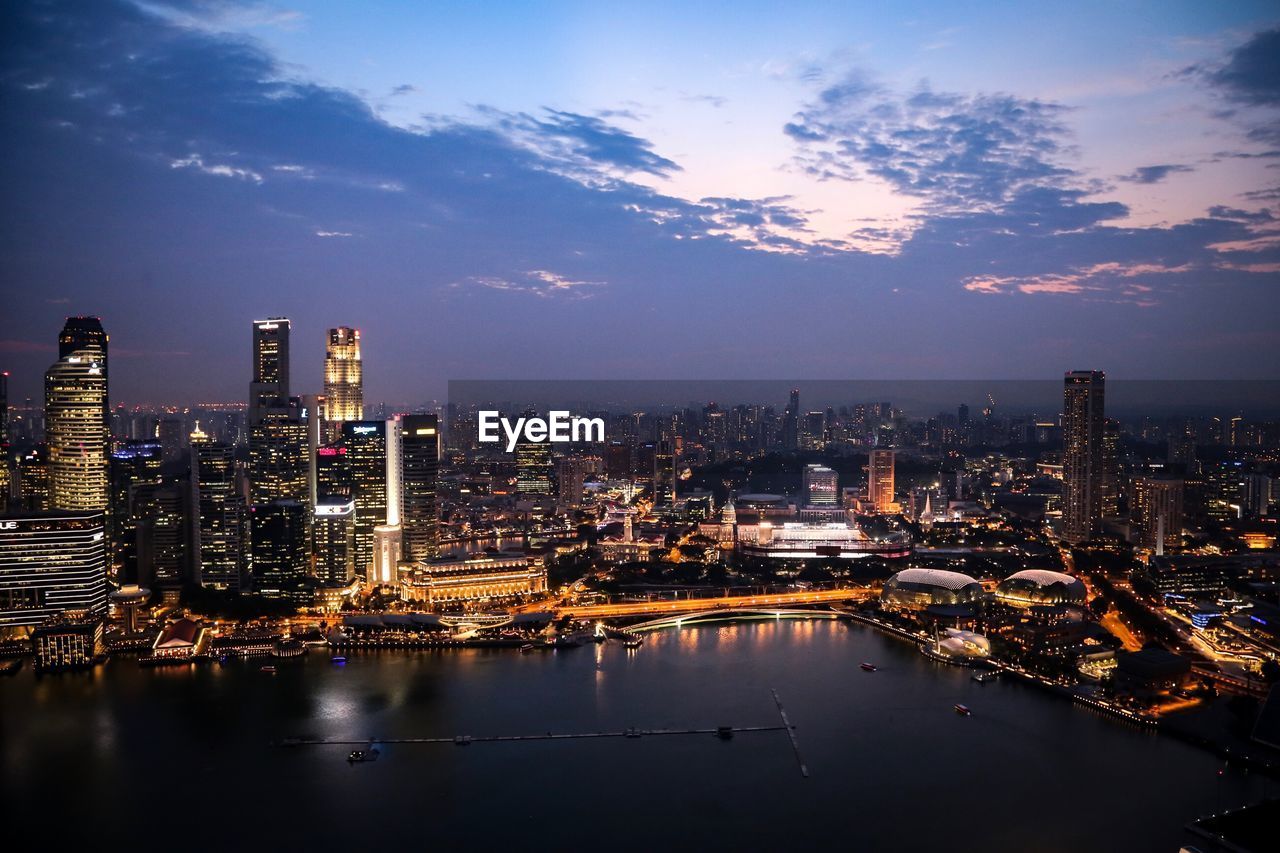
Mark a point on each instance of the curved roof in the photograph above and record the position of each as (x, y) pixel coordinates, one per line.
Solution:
(1044, 577)
(934, 577)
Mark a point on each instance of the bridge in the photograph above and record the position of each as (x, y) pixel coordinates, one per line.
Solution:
(733, 614)
(761, 601)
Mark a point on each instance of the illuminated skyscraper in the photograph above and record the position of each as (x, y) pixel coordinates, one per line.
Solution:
(366, 458)
(880, 484)
(820, 487)
(343, 376)
(220, 522)
(420, 467)
(664, 474)
(1162, 514)
(533, 468)
(1083, 453)
(279, 535)
(76, 418)
(278, 463)
(335, 528)
(134, 464)
(270, 385)
(51, 562)
(4, 440)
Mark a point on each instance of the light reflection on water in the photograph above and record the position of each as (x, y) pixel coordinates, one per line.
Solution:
(878, 745)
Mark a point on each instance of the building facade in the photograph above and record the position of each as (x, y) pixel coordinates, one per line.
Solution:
(1083, 455)
(51, 562)
(343, 376)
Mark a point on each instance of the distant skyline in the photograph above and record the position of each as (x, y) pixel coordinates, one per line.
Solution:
(507, 191)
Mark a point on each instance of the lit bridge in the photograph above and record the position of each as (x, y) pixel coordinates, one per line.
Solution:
(752, 602)
(734, 614)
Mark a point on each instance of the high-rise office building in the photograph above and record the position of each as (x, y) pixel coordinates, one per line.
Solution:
(31, 476)
(533, 468)
(571, 476)
(76, 418)
(1110, 468)
(420, 472)
(334, 529)
(664, 474)
(880, 480)
(134, 464)
(4, 440)
(820, 487)
(367, 460)
(220, 520)
(1162, 513)
(1083, 420)
(791, 421)
(269, 387)
(279, 467)
(162, 524)
(278, 531)
(343, 376)
(51, 562)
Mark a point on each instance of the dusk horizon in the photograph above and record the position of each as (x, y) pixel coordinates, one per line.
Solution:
(875, 190)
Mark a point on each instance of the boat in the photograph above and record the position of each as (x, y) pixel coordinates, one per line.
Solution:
(527, 647)
(269, 670)
(633, 642)
(359, 756)
(963, 710)
(868, 667)
(984, 677)
(338, 659)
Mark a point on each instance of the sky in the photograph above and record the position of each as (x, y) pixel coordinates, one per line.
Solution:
(641, 191)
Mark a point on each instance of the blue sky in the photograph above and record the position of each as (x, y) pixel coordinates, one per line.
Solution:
(648, 190)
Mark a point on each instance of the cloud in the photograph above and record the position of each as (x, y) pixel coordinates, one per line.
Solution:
(541, 283)
(1251, 73)
(956, 152)
(403, 89)
(334, 234)
(1154, 174)
(18, 346)
(535, 228)
(585, 147)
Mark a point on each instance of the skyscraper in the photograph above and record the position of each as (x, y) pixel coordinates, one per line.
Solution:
(335, 528)
(270, 385)
(278, 463)
(533, 468)
(1162, 514)
(343, 376)
(420, 467)
(279, 534)
(1083, 455)
(664, 474)
(76, 417)
(880, 484)
(51, 562)
(220, 519)
(820, 487)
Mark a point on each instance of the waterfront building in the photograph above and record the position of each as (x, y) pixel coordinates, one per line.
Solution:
(279, 537)
(76, 418)
(181, 639)
(921, 589)
(1083, 457)
(68, 641)
(334, 530)
(1040, 587)
(343, 376)
(476, 579)
(51, 562)
(388, 549)
(125, 604)
(420, 472)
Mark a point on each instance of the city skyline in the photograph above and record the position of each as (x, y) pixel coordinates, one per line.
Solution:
(874, 188)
